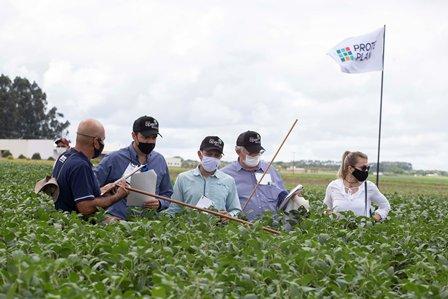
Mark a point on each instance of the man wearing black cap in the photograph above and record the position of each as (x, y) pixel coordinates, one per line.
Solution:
(248, 169)
(141, 151)
(206, 185)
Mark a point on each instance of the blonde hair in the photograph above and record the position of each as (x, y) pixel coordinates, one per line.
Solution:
(349, 159)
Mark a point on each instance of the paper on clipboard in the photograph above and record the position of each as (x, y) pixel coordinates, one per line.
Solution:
(130, 170)
(145, 181)
(289, 196)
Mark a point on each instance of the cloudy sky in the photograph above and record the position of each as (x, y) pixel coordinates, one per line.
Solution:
(223, 67)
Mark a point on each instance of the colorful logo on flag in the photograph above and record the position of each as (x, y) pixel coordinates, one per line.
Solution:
(345, 54)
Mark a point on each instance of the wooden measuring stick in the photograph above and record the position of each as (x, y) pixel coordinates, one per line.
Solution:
(268, 229)
(269, 165)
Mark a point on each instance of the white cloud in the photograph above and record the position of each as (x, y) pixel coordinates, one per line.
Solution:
(220, 68)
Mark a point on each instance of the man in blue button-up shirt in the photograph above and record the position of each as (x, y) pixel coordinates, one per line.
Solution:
(112, 167)
(247, 170)
(206, 185)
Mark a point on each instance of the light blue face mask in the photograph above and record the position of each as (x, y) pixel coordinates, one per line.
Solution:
(210, 164)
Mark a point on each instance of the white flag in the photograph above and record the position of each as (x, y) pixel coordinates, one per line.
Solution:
(360, 54)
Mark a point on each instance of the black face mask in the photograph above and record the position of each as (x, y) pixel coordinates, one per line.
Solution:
(360, 175)
(97, 151)
(146, 148)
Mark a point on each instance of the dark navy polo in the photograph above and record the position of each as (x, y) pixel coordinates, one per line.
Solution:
(76, 180)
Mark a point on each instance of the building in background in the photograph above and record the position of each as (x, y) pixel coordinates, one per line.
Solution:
(28, 147)
(174, 162)
(296, 169)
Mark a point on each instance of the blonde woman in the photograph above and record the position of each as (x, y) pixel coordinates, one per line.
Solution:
(352, 192)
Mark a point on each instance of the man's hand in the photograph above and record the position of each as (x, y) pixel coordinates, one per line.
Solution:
(111, 219)
(152, 203)
(121, 191)
(377, 217)
(296, 202)
(87, 207)
(298, 193)
(224, 220)
(300, 201)
(108, 189)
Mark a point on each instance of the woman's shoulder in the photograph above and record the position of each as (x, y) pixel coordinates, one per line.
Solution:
(337, 183)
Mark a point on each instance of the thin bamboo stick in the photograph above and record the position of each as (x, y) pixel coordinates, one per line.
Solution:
(269, 165)
(268, 229)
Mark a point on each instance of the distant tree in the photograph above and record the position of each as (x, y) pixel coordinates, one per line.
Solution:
(23, 112)
(21, 157)
(5, 153)
(189, 163)
(36, 156)
(393, 167)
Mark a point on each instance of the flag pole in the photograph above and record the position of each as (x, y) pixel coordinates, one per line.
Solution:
(381, 111)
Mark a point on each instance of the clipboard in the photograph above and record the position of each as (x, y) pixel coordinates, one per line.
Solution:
(124, 177)
(288, 197)
(145, 181)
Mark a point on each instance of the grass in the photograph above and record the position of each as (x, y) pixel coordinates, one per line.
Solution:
(388, 183)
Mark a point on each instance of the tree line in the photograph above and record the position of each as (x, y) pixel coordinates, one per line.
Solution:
(24, 113)
(388, 167)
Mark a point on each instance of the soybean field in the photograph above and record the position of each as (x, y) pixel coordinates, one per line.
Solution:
(48, 254)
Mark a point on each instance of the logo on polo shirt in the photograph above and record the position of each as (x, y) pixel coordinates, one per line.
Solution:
(255, 139)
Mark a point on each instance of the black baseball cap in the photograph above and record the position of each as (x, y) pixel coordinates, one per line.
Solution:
(212, 143)
(146, 125)
(251, 141)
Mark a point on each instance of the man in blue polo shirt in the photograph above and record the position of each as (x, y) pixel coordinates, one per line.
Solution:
(140, 151)
(206, 185)
(247, 170)
(78, 187)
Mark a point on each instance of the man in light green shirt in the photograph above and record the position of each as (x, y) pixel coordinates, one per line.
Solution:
(207, 186)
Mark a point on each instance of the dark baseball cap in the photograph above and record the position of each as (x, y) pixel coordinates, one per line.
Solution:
(251, 141)
(146, 125)
(212, 143)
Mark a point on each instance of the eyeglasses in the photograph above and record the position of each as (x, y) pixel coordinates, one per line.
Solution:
(85, 135)
(363, 168)
(261, 152)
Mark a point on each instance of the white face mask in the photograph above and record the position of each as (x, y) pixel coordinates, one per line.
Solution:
(252, 161)
(60, 150)
(210, 164)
